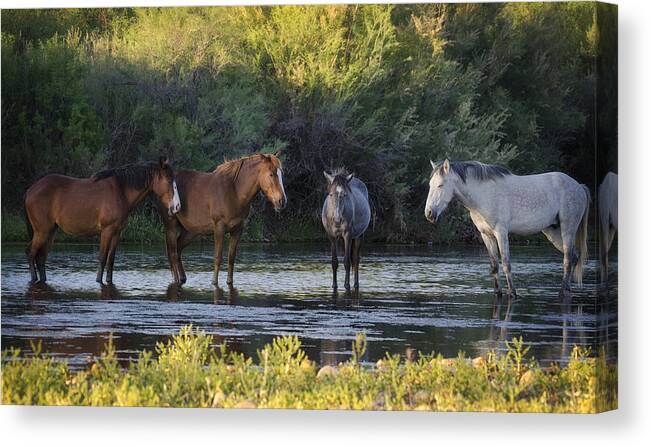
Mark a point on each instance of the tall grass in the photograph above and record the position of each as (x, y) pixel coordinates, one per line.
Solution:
(188, 372)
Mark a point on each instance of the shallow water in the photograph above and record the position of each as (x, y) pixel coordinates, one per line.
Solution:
(424, 298)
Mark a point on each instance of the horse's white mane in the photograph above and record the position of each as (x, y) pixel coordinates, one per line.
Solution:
(476, 169)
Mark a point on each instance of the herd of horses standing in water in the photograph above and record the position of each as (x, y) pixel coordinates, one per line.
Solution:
(193, 203)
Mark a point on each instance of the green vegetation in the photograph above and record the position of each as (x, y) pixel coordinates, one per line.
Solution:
(187, 372)
(379, 89)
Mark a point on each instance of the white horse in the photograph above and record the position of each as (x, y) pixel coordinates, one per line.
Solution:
(607, 201)
(500, 203)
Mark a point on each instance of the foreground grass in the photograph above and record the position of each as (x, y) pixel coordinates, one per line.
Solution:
(188, 373)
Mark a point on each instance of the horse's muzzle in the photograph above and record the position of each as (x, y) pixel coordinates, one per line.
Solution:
(172, 210)
(432, 217)
(280, 204)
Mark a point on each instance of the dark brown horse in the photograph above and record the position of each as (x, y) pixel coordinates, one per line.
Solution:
(219, 202)
(98, 205)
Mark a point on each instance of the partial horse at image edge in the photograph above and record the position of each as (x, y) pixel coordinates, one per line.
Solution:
(608, 220)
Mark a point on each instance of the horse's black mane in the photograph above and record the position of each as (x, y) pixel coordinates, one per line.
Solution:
(478, 170)
(136, 176)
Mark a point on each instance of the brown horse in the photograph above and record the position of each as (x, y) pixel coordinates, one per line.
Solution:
(219, 202)
(98, 205)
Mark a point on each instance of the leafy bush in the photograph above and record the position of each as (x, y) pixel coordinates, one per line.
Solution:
(379, 89)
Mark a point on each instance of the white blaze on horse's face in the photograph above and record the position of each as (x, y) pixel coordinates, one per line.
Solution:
(441, 191)
(339, 195)
(279, 172)
(176, 200)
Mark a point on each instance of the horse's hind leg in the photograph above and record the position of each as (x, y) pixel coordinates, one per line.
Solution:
(38, 240)
(41, 255)
(347, 252)
(553, 235)
(232, 251)
(31, 262)
(357, 247)
(493, 254)
(335, 262)
(502, 238)
(570, 259)
(603, 253)
(104, 243)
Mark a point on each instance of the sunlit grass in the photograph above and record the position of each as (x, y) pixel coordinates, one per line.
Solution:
(188, 372)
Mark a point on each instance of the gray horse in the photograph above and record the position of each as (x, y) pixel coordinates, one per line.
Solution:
(345, 215)
(500, 203)
(607, 201)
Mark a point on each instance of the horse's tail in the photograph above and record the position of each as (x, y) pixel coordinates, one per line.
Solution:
(28, 223)
(581, 241)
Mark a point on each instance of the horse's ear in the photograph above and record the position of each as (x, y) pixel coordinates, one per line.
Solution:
(433, 164)
(446, 166)
(278, 153)
(350, 177)
(328, 177)
(163, 161)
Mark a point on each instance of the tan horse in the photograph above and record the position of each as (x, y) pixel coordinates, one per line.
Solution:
(219, 202)
(99, 205)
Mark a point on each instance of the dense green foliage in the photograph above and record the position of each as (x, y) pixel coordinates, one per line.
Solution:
(379, 89)
(187, 372)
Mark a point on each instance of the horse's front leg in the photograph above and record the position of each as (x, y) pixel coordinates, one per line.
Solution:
(347, 254)
(111, 257)
(356, 252)
(334, 261)
(104, 242)
(183, 241)
(570, 259)
(232, 252)
(218, 234)
(493, 254)
(502, 238)
(172, 251)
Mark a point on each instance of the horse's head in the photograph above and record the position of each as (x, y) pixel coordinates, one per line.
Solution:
(270, 179)
(441, 190)
(164, 186)
(338, 195)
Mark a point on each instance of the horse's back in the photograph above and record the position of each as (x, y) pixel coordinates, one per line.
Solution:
(528, 203)
(74, 204)
(47, 188)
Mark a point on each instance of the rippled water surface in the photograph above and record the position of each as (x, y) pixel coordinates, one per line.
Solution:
(426, 298)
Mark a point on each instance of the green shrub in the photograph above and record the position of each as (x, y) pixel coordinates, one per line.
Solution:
(188, 372)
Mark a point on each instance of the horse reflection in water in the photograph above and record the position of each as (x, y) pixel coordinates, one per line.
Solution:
(176, 292)
(572, 334)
